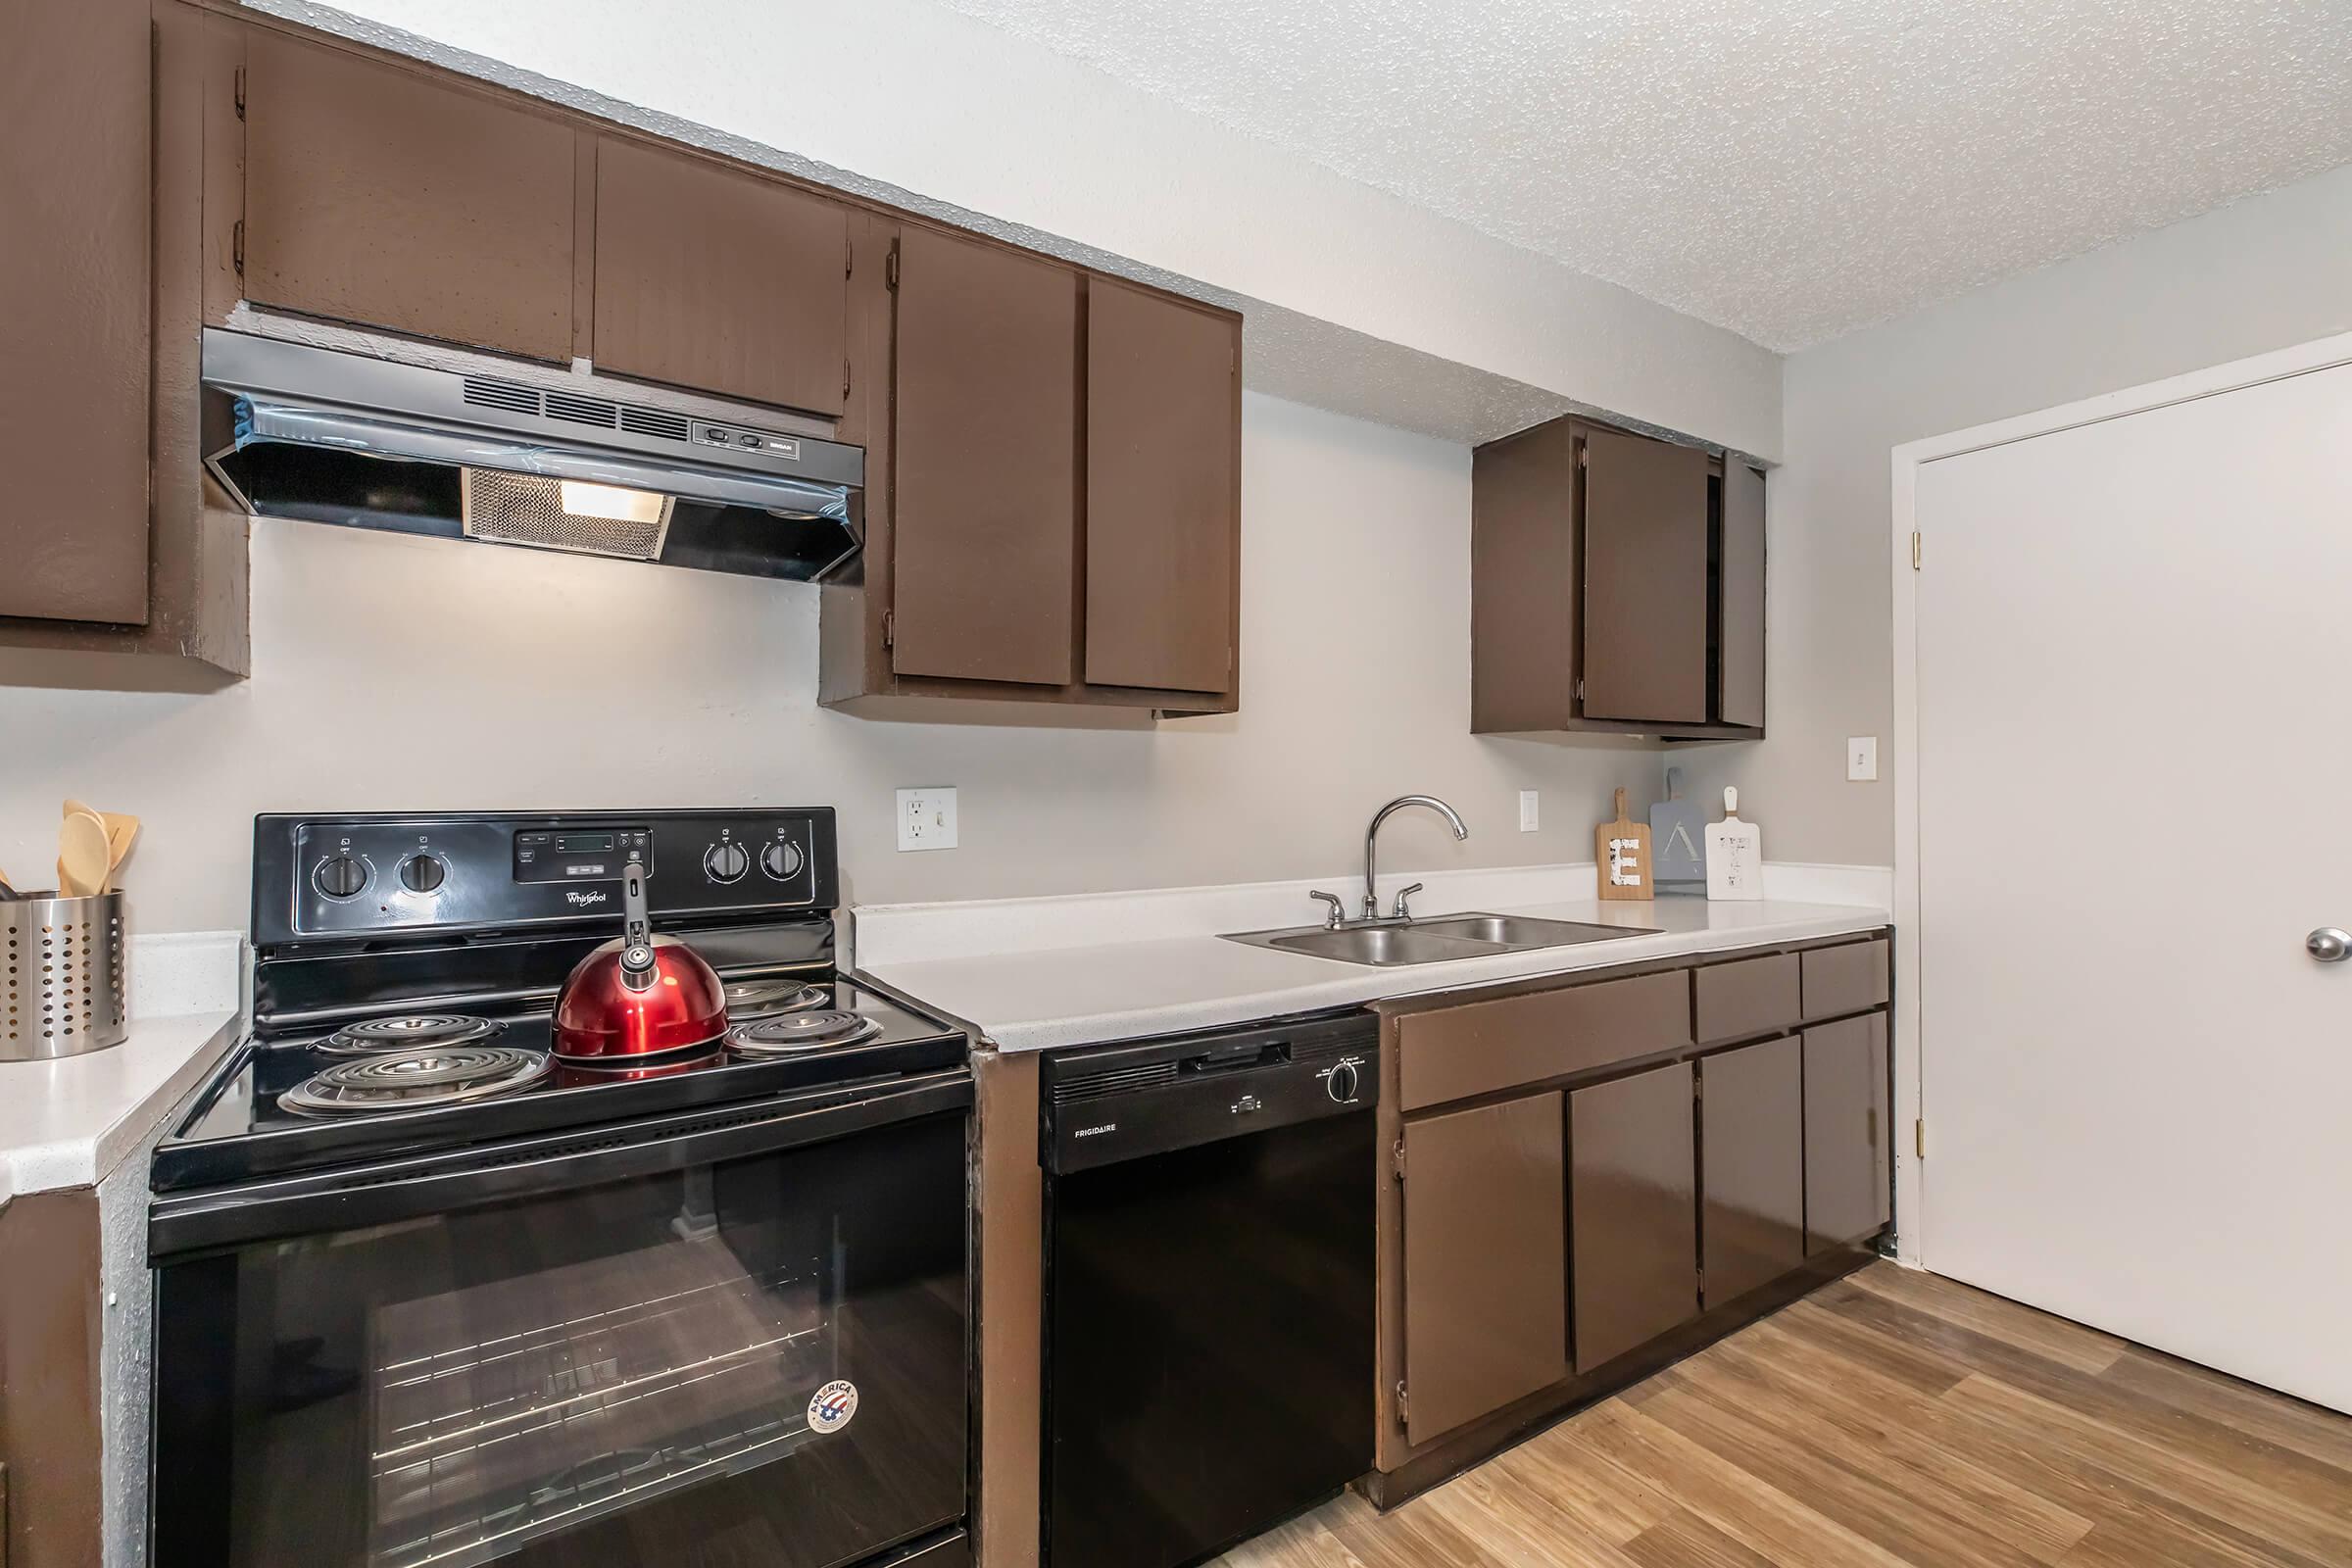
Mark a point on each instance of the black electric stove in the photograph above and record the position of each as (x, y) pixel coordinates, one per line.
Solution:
(469, 1303)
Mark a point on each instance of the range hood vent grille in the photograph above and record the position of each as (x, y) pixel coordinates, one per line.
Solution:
(582, 410)
(653, 421)
(506, 395)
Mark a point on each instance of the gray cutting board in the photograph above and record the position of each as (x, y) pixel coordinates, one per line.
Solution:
(1678, 840)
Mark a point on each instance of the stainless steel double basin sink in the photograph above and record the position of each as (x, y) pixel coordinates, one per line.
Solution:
(1434, 940)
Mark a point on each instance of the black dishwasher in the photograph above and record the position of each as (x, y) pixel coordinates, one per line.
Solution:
(1209, 1287)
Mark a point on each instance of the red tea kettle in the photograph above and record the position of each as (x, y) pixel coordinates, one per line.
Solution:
(639, 995)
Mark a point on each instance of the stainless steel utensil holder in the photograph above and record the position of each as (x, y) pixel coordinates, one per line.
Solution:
(63, 984)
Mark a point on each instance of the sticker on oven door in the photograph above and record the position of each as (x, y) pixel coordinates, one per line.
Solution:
(831, 1406)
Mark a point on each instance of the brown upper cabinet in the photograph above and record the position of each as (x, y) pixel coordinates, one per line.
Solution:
(985, 537)
(380, 196)
(119, 574)
(1617, 584)
(718, 281)
(74, 405)
(1062, 523)
(1163, 403)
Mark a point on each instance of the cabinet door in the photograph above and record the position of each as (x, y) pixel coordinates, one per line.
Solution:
(378, 196)
(713, 280)
(1163, 465)
(986, 524)
(1634, 1212)
(1753, 1167)
(1645, 579)
(1740, 652)
(1486, 1310)
(73, 265)
(1849, 1162)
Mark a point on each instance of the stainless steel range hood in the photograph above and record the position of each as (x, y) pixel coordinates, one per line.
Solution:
(478, 451)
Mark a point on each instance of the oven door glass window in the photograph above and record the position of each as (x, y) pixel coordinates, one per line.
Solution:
(760, 1360)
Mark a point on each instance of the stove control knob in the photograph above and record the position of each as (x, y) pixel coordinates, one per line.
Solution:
(781, 861)
(340, 876)
(422, 873)
(1342, 1082)
(725, 862)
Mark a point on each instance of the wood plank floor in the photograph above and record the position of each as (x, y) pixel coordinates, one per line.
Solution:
(1891, 1420)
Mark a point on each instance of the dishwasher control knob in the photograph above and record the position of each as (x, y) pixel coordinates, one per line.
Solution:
(726, 862)
(1342, 1082)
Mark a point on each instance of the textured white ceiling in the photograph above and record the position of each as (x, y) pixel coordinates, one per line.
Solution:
(1789, 168)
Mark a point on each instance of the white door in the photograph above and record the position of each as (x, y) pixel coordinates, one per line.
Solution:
(2134, 645)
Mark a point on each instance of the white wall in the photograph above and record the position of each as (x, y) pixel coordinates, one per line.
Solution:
(2264, 273)
(393, 672)
(920, 105)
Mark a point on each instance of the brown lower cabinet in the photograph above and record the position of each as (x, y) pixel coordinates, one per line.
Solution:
(1597, 1174)
(1848, 1161)
(1752, 1163)
(1633, 1183)
(1484, 1265)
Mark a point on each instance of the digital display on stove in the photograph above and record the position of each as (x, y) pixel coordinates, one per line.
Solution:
(580, 856)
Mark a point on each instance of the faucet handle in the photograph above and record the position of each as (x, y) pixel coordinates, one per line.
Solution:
(1402, 894)
(1339, 911)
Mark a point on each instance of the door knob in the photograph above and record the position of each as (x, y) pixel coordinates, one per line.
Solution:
(2329, 945)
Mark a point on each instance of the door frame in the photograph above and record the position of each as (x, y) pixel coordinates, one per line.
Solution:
(1910, 1047)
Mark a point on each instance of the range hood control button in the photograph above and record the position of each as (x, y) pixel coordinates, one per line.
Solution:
(725, 862)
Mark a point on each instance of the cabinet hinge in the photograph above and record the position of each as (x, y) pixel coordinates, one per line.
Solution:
(1396, 1158)
(236, 246)
(1914, 550)
(889, 628)
(240, 92)
(1702, 1282)
(1402, 1406)
(848, 258)
(1584, 457)
(1919, 1138)
(844, 379)
(890, 268)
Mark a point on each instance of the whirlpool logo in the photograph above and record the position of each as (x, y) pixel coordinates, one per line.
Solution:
(583, 897)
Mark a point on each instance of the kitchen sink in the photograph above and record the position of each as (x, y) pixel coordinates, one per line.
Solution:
(1435, 940)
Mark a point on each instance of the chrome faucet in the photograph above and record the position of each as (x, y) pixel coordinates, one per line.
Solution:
(1372, 847)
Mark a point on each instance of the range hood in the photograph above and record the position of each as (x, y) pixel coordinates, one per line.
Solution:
(481, 452)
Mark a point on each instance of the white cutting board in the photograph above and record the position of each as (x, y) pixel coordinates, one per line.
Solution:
(1734, 855)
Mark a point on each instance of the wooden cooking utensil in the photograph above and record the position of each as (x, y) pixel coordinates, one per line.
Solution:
(83, 855)
(1621, 850)
(121, 831)
(7, 893)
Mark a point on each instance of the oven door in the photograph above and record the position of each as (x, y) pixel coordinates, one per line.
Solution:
(728, 1338)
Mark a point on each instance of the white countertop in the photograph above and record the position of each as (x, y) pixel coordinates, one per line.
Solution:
(1037, 997)
(70, 1123)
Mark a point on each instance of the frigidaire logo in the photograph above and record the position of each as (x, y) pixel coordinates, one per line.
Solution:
(582, 897)
(1096, 1132)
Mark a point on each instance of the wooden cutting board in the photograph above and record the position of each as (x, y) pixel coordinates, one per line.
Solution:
(1621, 850)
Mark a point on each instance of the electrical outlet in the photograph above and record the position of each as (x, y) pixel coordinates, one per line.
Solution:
(927, 818)
(1861, 759)
(1527, 811)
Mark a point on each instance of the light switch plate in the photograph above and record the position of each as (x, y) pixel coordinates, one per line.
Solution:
(927, 818)
(1528, 815)
(1861, 759)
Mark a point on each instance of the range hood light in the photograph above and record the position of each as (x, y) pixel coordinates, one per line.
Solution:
(612, 501)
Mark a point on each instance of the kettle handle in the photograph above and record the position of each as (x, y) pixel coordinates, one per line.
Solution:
(636, 929)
